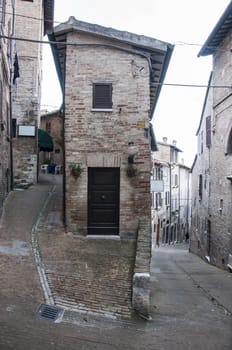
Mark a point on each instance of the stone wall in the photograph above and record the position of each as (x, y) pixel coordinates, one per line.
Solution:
(211, 215)
(141, 277)
(5, 135)
(26, 91)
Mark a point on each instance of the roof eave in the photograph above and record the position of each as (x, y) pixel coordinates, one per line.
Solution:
(208, 48)
(168, 56)
(123, 36)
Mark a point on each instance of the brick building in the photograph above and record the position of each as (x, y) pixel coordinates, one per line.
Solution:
(6, 29)
(52, 123)
(33, 18)
(211, 235)
(112, 83)
(170, 195)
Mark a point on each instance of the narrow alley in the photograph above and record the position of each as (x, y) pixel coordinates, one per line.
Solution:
(191, 300)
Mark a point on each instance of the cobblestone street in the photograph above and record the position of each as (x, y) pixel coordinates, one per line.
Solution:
(191, 300)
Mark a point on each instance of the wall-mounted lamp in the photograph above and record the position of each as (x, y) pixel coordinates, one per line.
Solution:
(229, 177)
(132, 151)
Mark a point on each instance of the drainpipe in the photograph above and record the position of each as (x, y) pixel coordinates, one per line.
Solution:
(179, 207)
(170, 207)
(188, 205)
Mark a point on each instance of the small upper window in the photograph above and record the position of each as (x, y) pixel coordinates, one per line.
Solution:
(200, 188)
(2, 11)
(102, 96)
(208, 131)
(229, 143)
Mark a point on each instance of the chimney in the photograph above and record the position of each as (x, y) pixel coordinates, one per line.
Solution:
(165, 139)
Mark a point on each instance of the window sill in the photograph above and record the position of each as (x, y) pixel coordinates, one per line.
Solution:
(113, 237)
(101, 110)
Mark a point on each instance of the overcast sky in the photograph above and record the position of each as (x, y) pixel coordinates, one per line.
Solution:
(184, 23)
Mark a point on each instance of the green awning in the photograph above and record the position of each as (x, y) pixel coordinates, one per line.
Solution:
(45, 142)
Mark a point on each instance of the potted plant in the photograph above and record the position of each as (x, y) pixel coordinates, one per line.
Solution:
(76, 169)
(131, 170)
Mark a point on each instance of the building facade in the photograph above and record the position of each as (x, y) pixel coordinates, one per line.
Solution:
(110, 94)
(6, 29)
(52, 123)
(32, 20)
(170, 186)
(211, 235)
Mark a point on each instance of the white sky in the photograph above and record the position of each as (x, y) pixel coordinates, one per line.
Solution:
(178, 111)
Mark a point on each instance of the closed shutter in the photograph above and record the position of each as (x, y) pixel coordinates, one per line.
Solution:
(2, 11)
(102, 96)
(208, 131)
(200, 186)
(1, 101)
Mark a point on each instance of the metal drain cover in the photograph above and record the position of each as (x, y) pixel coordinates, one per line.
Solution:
(50, 312)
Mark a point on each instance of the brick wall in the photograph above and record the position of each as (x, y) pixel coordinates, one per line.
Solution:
(56, 131)
(100, 139)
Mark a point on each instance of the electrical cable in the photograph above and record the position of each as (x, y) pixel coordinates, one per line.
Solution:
(81, 45)
(176, 43)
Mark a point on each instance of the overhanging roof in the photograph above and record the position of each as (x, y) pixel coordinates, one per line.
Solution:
(157, 52)
(219, 33)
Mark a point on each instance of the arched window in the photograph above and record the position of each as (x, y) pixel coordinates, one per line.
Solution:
(229, 143)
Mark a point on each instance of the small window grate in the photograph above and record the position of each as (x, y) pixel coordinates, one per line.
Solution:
(50, 312)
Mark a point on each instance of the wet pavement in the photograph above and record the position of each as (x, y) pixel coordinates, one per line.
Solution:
(191, 301)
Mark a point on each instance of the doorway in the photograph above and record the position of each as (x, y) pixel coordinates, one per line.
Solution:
(103, 201)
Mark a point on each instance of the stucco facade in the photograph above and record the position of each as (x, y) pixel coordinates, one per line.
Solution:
(104, 203)
(212, 200)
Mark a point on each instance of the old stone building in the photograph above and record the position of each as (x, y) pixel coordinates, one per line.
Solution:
(170, 185)
(211, 235)
(52, 123)
(6, 29)
(33, 18)
(112, 83)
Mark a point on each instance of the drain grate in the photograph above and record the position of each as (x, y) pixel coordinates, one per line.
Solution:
(50, 312)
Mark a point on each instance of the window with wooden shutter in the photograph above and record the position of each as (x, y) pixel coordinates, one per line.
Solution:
(167, 198)
(229, 143)
(2, 11)
(102, 96)
(158, 201)
(200, 191)
(1, 102)
(208, 131)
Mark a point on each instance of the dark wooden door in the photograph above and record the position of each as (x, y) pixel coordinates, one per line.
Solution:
(103, 201)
